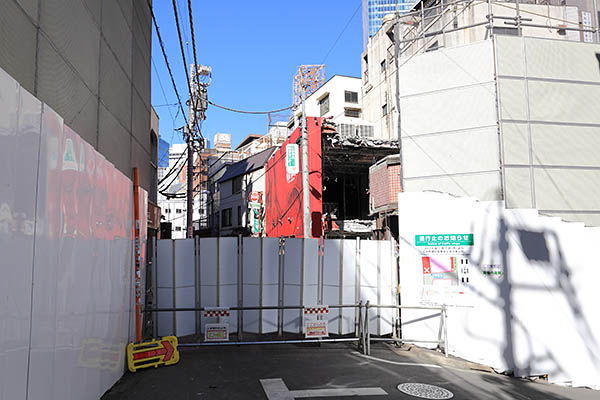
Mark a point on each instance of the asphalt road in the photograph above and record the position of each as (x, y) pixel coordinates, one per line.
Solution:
(278, 372)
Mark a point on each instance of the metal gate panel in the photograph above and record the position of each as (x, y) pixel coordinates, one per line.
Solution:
(184, 286)
(332, 258)
(270, 284)
(208, 274)
(292, 284)
(251, 273)
(228, 277)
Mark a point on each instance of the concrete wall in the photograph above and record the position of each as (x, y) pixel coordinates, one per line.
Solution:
(90, 61)
(335, 88)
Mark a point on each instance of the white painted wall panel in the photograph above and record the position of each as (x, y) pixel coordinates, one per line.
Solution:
(270, 291)
(331, 281)
(228, 277)
(566, 189)
(164, 267)
(560, 145)
(311, 272)
(484, 186)
(184, 262)
(517, 182)
(185, 297)
(509, 55)
(251, 259)
(208, 261)
(292, 279)
(164, 299)
(349, 315)
(461, 108)
(463, 65)
(452, 153)
(564, 102)
(387, 284)
(515, 140)
(513, 101)
(547, 59)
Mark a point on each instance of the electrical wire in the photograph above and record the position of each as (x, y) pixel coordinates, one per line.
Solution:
(250, 112)
(164, 178)
(342, 32)
(193, 37)
(164, 188)
(162, 47)
(187, 76)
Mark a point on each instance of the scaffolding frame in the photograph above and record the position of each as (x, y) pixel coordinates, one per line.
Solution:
(307, 80)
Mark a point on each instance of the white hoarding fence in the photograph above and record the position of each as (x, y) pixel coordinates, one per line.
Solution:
(520, 287)
(269, 285)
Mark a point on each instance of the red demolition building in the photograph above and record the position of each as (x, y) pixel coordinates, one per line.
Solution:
(338, 181)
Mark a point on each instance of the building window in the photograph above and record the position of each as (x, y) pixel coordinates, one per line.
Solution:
(178, 228)
(226, 217)
(366, 131)
(384, 110)
(324, 105)
(383, 66)
(237, 184)
(239, 215)
(352, 112)
(168, 211)
(351, 97)
(178, 210)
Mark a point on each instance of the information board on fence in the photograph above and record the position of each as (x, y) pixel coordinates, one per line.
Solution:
(216, 332)
(315, 329)
(446, 269)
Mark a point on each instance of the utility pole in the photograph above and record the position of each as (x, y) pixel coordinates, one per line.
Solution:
(197, 106)
(305, 183)
(397, 56)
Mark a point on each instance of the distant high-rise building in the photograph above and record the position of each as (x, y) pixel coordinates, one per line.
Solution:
(373, 12)
(163, 153)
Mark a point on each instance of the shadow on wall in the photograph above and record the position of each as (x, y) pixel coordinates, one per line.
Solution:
(540, 249)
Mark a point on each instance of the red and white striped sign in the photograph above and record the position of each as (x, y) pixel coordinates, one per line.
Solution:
(316, 310)
(216, 312)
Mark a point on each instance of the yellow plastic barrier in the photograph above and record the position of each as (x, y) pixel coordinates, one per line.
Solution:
(152, 354)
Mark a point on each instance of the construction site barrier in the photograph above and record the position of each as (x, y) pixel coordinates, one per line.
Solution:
(362, 337)
(442, 339)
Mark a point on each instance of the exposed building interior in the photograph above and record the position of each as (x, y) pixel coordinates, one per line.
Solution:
(345, 166)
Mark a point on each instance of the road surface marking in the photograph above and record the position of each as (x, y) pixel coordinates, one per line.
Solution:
(395, 362)
(275, 389)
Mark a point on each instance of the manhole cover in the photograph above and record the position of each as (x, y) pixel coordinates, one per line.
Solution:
(425, 391)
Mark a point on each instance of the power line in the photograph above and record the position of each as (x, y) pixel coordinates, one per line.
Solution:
(162, 47)
(341, 33)
(193, 37)
(250, 112)
(173, 180)
(187, 76)
(173, 168)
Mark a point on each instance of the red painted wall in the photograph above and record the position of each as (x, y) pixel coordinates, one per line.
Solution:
(283, 204)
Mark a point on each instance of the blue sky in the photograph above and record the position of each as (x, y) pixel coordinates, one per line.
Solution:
(254, 48)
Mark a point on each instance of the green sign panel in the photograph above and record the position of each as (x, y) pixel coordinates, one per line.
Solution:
(454, 239)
